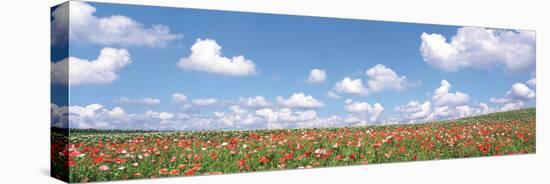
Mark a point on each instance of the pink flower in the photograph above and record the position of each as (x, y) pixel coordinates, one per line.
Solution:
(104, 167)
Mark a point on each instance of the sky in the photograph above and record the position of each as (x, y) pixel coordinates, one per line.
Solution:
(160, 68)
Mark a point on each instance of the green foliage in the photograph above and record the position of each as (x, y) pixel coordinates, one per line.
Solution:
(135, 154)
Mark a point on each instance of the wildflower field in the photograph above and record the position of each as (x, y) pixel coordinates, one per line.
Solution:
(103, 155)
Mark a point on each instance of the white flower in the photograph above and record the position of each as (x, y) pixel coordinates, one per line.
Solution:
(320, 151)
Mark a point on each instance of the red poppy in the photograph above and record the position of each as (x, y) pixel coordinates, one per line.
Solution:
(264, 160)
(181, 166)
(190, 173)
(242, 163)
(120, 161)
(163, 171)
(175, 172)
(214, 156)
(71, 163)
(98, 159)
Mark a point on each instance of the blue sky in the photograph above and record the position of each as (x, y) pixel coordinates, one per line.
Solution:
(284, 49)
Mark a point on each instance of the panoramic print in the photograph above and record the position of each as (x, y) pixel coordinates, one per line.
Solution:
(148, 92)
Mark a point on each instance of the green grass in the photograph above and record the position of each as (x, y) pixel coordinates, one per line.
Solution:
(216, 152)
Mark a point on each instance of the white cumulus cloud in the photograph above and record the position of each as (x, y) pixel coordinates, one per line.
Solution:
(59, 116)
(97, 116)
(381, 78)
(119, 30)
(483, 48)
(532, 82)
(414, 110)
(351, 86)
(444, 104)
(237, 118)
(99, 71)
(179, 98)
(206, 56)
(364, 109)
(520, 91)
(442, 96)
(317, 76)
(257, 101)
(137, 101)
(285, 117)
(300, 100)
(384, 78)
(205, 101)
(515, 97)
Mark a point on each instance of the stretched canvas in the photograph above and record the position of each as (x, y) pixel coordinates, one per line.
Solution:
(141, 92)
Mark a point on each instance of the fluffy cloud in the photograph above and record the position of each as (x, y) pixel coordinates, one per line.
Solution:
(512, 106)
(515, 97)
(179, 98)
(285, 117)
(60, 24)
(100, 71)
(443, 105)
(414, 110)
(300, 100)
(138, 101)
(317, 76)
(381, 78)
(532, 82)
(257, 101)
(234, 117)
(461, 111)
(237, 118)
(351, 86)
(120, 30)
(448, 105)
(59, 116)
(163, 116)
(205, 101)
(96, 116)
(442, 96)
(364, 109)
(480, 48)
(331, 121)
(384, 78)
(206, 56)
(286, 114)
(520, 91)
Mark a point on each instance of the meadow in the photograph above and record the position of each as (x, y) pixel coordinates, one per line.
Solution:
(114, 155)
